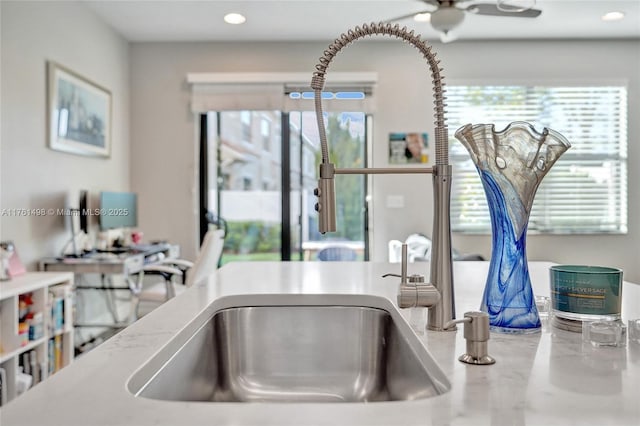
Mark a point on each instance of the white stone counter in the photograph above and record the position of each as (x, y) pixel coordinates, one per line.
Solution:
(549, 378)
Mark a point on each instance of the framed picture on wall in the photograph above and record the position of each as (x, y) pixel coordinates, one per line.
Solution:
(79, 113)
(406, 148)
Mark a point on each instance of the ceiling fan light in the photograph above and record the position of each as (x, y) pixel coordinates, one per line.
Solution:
(422, 17)
(448, 37)
(446, 19)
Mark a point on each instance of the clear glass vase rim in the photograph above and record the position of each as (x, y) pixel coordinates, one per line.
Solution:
(518, 125)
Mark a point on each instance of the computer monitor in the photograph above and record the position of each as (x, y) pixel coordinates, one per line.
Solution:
(83, 207)
(118, 210)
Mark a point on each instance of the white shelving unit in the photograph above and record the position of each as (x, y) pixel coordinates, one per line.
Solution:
(48, 351)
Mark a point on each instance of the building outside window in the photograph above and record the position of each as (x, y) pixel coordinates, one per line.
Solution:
(245, 123)
(265, 132)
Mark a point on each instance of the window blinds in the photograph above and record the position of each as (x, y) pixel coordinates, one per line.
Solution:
(585, 191)
(271, 91)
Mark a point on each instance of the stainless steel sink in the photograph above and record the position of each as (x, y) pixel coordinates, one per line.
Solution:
(295, 354)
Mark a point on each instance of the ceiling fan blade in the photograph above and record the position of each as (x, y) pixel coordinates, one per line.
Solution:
(407, 16)
(492, 10)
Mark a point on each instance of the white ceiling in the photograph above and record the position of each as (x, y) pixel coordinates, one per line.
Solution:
(324, 20)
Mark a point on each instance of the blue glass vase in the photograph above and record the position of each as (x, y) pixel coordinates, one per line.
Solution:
(511, 164)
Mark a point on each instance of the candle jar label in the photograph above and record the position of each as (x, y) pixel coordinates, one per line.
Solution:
(577, 291)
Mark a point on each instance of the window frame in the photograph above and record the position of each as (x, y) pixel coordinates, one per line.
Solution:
(621, 158)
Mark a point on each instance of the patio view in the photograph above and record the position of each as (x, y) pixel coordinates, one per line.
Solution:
(250, 189)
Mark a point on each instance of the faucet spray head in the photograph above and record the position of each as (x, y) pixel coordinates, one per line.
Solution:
(326, 193)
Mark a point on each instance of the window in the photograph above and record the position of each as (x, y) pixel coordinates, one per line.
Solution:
(246, 183)
(265, 132)
(267, 200)
(328, 95)
(585, 191)
(281, 170)
(245, 122)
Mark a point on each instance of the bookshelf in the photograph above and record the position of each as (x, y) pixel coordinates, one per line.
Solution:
(36, 330)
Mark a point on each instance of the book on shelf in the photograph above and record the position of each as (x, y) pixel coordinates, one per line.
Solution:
(51, 354)
(58, 352)
(29, 366)
(3, 386)
(55, 354)
(56, 310)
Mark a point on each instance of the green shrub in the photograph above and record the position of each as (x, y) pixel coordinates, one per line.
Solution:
(252, 237)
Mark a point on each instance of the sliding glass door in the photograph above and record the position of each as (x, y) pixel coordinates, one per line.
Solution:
(261, 174)
(347, 143)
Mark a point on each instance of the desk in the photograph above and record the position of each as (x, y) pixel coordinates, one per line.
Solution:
(129, 264)
(126, 263)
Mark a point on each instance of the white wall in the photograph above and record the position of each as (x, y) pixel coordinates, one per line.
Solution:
(164, 131)
(32, 175)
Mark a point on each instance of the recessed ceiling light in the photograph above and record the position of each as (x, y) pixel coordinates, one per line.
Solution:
(234, 18)
(612, 16)
(422, 17)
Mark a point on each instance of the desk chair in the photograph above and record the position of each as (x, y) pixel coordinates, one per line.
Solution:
(185, 272)
(333, 253)
(395, 251)
(418, 247)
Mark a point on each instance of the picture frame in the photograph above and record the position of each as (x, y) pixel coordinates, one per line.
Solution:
(408, 148)
(78, 113)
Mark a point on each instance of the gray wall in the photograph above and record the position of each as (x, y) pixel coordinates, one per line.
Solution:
(32, 175)
(164, 131)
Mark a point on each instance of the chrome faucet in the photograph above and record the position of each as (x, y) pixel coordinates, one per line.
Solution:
(413, 291)
(442, 313)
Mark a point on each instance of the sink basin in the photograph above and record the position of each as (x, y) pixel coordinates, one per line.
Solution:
(294, 354)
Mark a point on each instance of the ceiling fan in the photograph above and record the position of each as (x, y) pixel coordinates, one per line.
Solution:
(447, 15)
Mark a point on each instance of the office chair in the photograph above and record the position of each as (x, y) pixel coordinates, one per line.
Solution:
(333, 253)
(418, 247)
(395, 251)
(217, 222)
(179, 274)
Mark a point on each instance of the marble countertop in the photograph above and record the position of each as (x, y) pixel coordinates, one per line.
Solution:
(548, 378)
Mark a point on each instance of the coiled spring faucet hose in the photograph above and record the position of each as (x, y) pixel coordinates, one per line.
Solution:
(318, 80)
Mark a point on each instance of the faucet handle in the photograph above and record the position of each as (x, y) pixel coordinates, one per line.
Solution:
(326, 193)
(404, 277)
(413, 291)
(403, 268)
